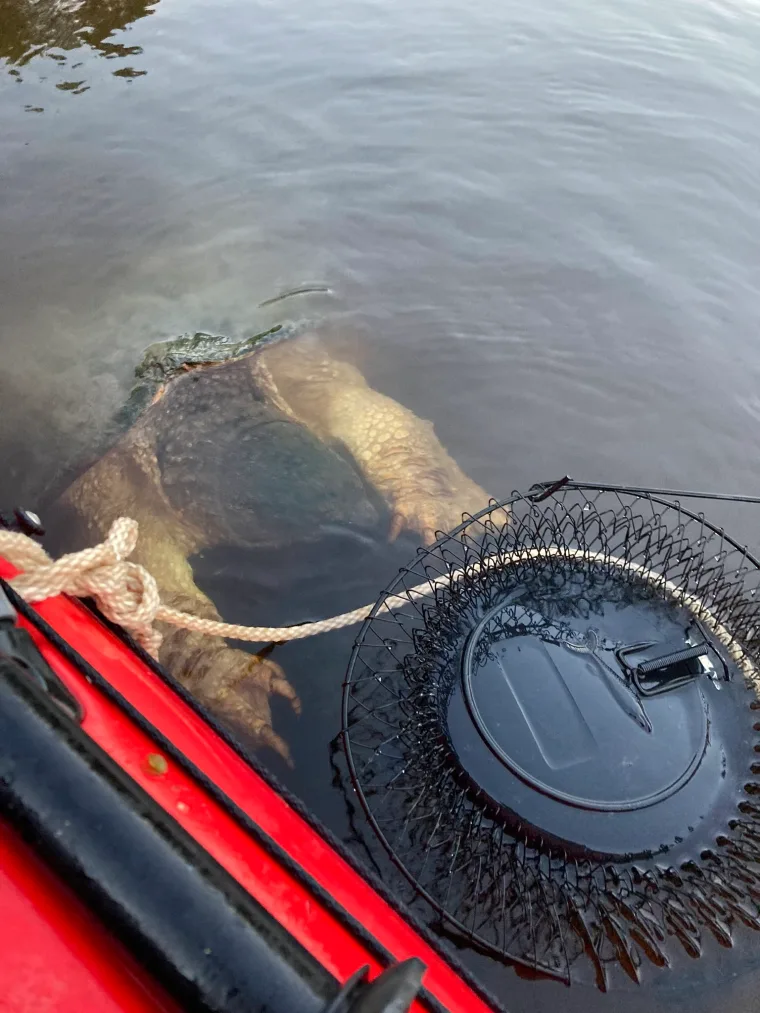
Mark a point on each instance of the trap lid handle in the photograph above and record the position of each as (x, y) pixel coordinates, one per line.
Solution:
(670, 659)
(661, 666)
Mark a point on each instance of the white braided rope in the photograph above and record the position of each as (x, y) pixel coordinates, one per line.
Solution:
(128, 595)
(125, 592)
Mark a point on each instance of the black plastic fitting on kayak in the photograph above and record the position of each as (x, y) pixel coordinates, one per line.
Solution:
(391, 992)
(17, 647)
(210, 944)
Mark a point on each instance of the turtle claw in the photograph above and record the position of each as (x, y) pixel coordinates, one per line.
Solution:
(398, 523)
(267, 736)
(270, 677)
(430, 515)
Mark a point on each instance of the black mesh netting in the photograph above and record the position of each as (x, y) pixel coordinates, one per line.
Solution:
(579, 569)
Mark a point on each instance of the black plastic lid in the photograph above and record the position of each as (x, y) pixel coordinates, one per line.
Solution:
(552, 721)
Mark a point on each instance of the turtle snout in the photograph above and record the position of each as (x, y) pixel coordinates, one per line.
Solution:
(358, 519)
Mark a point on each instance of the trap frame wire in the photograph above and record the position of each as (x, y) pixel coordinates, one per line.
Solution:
(495, 883)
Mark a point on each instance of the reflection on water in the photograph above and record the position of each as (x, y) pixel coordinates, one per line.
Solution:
(56, 29)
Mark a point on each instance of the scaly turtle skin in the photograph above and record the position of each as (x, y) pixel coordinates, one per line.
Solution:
(257, 444)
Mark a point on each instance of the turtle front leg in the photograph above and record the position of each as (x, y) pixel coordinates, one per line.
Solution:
(397, 452)
(233, 684)
(401, 456)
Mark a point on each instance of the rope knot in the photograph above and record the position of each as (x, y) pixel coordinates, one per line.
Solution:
(124, 592)
(128, 595)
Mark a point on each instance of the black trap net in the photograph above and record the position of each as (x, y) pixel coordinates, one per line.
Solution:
(551, 724)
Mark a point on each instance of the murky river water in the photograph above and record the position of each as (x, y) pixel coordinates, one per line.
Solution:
(541, 227)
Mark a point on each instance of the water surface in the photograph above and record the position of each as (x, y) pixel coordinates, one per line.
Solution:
(541, 227)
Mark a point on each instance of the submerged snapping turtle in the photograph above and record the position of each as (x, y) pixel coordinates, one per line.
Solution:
(257, 444)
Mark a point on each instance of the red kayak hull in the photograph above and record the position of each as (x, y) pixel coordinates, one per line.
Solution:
(285, 892)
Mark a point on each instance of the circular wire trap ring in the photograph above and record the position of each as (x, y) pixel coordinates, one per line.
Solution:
(497, 881)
